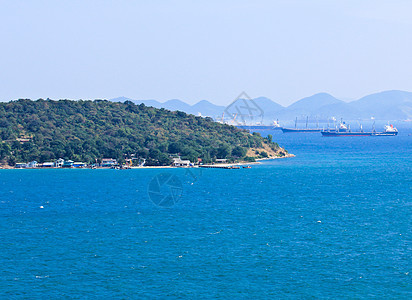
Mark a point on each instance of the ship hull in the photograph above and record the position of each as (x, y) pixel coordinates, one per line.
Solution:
(333, 134)
(385, 134)
(290, 130)
(258, 127)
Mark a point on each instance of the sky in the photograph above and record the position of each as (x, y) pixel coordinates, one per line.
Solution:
(195, 50)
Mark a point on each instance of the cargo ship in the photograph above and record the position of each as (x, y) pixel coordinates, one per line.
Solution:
(275, 126)
(344, 130)
(287, 130)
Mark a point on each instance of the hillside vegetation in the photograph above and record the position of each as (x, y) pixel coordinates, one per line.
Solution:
(88, 131)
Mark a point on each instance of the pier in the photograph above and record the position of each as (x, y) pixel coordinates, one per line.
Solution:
(220, 166)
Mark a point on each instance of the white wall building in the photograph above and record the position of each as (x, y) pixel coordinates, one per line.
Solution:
(178, 162)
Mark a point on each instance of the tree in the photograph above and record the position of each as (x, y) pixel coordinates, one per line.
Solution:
(175, 147)
(239, 151)
(224, 151)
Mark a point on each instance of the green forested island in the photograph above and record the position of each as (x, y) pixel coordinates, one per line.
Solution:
(45, 130)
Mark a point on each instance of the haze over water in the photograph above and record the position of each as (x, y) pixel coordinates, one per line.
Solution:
(333, 222)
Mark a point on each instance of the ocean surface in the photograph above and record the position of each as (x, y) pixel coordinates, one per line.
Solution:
(333, 222)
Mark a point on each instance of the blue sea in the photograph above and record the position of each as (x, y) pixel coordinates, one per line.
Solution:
(332, 222)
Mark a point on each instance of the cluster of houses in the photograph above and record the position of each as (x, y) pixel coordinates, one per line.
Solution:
(105, 163)
(61, 163)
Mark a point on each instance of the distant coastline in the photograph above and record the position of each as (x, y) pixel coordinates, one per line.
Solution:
(390, 105)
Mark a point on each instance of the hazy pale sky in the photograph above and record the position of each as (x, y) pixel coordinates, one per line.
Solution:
(194, 50)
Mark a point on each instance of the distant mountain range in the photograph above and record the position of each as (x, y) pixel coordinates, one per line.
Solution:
(387, 105)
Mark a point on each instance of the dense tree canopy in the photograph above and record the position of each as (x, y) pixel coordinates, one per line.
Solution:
(45, 130)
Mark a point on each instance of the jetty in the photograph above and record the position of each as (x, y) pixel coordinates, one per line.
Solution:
(233, 166)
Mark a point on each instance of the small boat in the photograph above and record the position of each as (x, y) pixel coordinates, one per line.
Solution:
(247, 167)
(231, 167)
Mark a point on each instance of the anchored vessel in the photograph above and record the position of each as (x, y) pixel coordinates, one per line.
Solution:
(275, 126)
(344, 130)
(287, 130)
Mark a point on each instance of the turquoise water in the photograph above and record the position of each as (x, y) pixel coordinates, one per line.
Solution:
(333, 222)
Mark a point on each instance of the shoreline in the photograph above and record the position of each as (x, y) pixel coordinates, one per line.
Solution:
(212, 166)
(269, 158)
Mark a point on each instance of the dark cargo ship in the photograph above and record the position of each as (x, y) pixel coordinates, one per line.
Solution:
(344, 130)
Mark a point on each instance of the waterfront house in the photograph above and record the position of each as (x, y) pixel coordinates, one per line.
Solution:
(48, 165)
(108, 162)
(221, 160)
(79, 164)
(178, 162)
(20, 165)
(59, 163)
(32, 164)
(68, 164)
